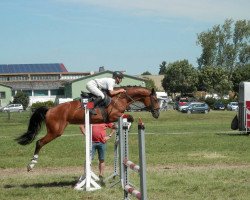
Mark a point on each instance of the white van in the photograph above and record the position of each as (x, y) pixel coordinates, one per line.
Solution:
(163, 100)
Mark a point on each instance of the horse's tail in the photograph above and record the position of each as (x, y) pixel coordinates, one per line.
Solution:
(34, 126)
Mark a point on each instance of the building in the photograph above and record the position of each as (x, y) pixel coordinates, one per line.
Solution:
(5, 95)
(44, 82)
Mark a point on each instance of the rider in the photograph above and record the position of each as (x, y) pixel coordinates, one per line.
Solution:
(96, 86)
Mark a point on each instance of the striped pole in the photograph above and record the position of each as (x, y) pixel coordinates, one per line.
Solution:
(132, 165)
(133, 191)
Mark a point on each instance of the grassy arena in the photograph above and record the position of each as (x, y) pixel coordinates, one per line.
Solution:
(188, 157)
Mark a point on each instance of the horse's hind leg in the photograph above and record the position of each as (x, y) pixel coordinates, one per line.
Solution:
(33, 161)
(55, 125)
(39, 144)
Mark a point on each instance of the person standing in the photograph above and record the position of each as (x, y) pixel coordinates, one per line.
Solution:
(99, 139)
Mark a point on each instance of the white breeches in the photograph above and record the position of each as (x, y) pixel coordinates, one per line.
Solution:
(92, 87)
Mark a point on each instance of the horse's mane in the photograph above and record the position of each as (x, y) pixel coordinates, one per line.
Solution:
(135, 90)
(131, 87)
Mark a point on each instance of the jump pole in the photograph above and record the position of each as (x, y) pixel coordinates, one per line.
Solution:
(121, 144)
(88, 180)
(118, 150)
(127, 164)
(115, 166)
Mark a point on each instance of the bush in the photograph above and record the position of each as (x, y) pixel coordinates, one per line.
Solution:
(210, 101)
(40, 104)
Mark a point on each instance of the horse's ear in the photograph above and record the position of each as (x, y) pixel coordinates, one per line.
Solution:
(153, 91)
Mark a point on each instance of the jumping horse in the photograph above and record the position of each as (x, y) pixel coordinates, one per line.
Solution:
(57, 118)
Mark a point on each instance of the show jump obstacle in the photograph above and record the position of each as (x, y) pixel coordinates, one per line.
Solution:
(121, 144)
(127, 164)
(88, 180)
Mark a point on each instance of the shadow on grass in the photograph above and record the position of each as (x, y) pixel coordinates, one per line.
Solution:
(233, 134)
(42, 185)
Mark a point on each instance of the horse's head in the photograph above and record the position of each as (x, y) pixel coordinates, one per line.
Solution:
(152, 104)
(147, 97)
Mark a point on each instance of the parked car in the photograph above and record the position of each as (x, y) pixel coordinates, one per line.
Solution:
(197, 107)
(13, 108)
(187, 105)
(233, 106)
(181, 102)
(219, 106)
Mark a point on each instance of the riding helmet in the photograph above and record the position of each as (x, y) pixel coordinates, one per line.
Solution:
(117, 74)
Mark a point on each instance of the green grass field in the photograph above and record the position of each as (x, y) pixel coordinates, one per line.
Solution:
(192, 157)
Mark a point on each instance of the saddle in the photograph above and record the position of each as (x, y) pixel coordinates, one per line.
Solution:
(103, 104)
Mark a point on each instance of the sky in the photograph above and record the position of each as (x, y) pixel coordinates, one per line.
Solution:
(134, 36)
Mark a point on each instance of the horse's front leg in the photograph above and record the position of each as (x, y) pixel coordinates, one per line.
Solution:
(129, 117)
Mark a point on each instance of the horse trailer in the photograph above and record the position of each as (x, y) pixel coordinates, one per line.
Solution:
(244, 107)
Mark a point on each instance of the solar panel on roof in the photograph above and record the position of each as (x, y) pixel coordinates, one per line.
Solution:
(14, 69)
(1, 68)
(32, 68)
(10, 69)
(57, 68)
(19, 69)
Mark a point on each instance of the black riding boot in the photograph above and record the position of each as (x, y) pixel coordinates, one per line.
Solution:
(96, 102)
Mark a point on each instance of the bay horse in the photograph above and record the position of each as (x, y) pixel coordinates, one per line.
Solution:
(57, 118)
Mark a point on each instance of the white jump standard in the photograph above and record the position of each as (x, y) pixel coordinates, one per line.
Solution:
(88, 180)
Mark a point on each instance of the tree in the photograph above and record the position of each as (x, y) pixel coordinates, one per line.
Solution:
(180, 77)
(163, 68)
(146, 73)
(225, 46)
(150, 84)
(214, 80)
(21, 98)
(242, 73)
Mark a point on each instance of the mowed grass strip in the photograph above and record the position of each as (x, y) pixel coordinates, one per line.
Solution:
(193, 156)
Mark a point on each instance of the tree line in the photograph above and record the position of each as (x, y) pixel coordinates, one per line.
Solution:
(224, 62)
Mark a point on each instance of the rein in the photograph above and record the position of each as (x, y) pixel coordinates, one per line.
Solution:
(149, 108)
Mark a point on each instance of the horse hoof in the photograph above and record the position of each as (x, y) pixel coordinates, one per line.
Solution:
(30, 167)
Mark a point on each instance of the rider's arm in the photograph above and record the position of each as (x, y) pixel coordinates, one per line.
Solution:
(114, 92)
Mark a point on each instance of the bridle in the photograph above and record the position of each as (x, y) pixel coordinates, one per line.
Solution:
(152, 109)
(148, 108)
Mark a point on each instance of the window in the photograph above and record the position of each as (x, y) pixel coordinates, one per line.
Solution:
(2, 95)
(3, 78)
(40, 92)
(28, 92)
(44, 77)
(57, 92)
